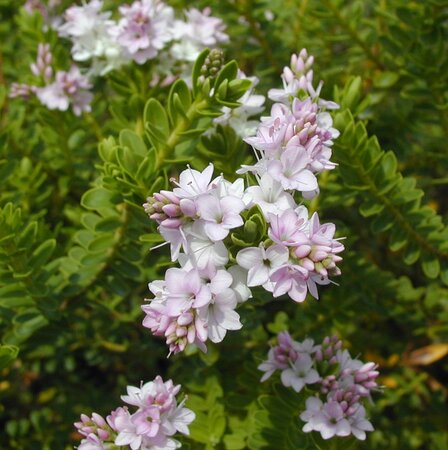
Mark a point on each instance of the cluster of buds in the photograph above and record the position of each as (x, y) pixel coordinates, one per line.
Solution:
(340, 384)
(212, 64)
(151, 427)
(168, 210)
(42, 66)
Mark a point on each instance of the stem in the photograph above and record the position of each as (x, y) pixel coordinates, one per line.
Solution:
(183, 125)
(323, 181)
(90, 119)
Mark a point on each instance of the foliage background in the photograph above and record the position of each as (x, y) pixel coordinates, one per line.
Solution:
(74, 265)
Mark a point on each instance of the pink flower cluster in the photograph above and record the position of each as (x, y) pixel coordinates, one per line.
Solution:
(197, 302)
(302, 253)
(151, 427)
(67, 89)
(340, 384)
(294, 142)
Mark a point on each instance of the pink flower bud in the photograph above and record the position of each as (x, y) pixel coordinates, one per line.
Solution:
(98, 420)
(188, 207)
(181, 331)
(172, 198)
(171, 210)
(288, 75)
(103, 434)
(319, 255)
(172, 223)
(185, 319)
(307, 264)
(303, 54)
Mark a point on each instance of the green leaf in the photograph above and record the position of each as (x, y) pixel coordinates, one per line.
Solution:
(152, 238)
(146, 168)
(133, 141)
(8, 353)
(197, 70)
(179, 100)
(386, 79)
(228, 73)
(42, 253)
(430, 265)
(99, 198)
(156, 122)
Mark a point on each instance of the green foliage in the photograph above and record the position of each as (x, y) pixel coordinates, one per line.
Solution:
(393, 200)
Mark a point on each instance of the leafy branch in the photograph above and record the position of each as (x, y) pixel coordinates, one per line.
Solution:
(392, 199)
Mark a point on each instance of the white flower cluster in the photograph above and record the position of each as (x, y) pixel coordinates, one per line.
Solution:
(340, 384)
(144, 29)
(197, 302)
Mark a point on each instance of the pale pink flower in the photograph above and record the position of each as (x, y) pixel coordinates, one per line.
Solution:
(220, 315)
(202, 250)
(185, 289)
(144, 28)
(359, 424)
(300, 373)
(239, 283)
(127, 431)
(281, 356)
(292, 280)
(92, 442)
(270, 196)
(291, 170)
(220, 215)
(199, 31)
(178, 420)
(331, 421)
(68, 88)
(193, 183)
(289, 228)
(259, 262)
(310, 415)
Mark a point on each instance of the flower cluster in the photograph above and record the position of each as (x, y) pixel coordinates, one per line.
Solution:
(143, 30)
(301, 253)
(151, 427)
(198, 218)
(340, 384)
(197, 301)
(294, 142)
(61, 89)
